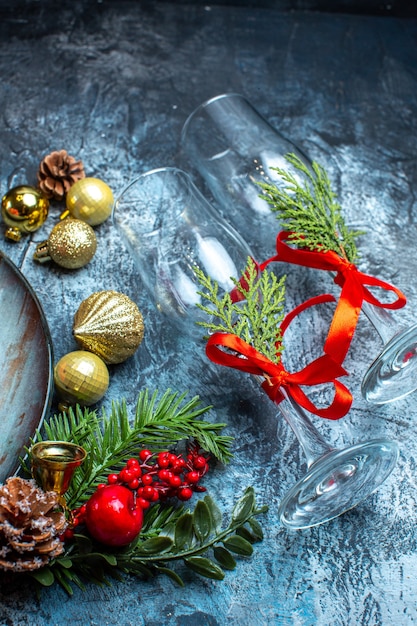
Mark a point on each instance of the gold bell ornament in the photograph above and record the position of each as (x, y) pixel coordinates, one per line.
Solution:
(24, 209)
(109, 324)
(80, 377)
(90, 200)
(71, 244)
(53, 464)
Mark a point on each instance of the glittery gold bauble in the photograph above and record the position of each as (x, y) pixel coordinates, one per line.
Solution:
(109, 324)
(24, 209)
(71, 244)
(81, 377)
(90, 200)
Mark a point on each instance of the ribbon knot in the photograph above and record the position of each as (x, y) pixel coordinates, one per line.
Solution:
(354, 284)
(231, 351)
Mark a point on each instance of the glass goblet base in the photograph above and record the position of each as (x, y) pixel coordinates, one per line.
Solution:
(337, 482)
(393, 374)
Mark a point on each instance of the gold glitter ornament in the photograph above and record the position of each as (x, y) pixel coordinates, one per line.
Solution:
(24, 209)
(71, 244)
(81, 377)
(90, 200)
(109, 324)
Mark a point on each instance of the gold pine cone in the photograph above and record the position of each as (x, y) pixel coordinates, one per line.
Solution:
(109, 324)
(30, 525)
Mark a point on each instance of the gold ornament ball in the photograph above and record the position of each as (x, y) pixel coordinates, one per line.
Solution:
(24, 209)
(81, 377)
(109, 324)
(90, 200)
(71, 244)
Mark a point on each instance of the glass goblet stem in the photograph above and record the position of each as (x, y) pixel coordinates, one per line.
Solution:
(309, 438)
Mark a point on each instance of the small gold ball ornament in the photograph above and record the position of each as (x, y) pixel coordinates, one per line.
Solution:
(109, 324)
(24, 209)
(81, 377)
(71, 244)
(90, 200)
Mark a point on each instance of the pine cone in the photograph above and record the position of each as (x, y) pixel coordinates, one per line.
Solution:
(30, 525)
(57, 172)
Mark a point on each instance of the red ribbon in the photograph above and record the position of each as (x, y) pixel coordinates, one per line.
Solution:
(354, 291)
(324, 369)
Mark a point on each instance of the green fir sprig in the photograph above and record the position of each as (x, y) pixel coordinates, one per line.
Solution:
(199, 539)
(159, 423)
(307, 206)
(256, 318)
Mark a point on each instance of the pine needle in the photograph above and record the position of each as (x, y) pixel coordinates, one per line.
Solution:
(256, 318)
(307, 207)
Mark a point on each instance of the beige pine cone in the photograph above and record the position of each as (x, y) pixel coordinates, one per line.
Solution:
(58, 171)
(30, 525)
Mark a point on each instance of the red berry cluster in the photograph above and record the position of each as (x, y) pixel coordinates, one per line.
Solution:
(157, 476)
(162, 475)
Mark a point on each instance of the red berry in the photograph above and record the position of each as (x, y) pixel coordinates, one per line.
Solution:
(113, 517)
(199, 462)
(144, 504)
(164, 474)
(147, 479)
(185, 493)
(163, 459)
(132, 463)
(112, 479)
(145, 454)
(133, 484)
(148, 493)
(178, 466)
(175, 481)
(192, 477)
(126, 475)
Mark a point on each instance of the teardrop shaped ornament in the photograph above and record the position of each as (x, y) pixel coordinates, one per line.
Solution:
(110, 325)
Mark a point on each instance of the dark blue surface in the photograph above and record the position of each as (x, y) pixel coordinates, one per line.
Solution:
(112, 83)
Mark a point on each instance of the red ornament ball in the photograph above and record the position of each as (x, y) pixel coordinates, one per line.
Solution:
(113, 516)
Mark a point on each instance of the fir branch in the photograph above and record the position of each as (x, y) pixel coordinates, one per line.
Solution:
(256, 318)
(200, 540)
(158, 424)
(307, 207)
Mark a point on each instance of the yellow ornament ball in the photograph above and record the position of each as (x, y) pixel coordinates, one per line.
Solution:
(71, 244)
(90, 200)
(24, 209)
(81, 377)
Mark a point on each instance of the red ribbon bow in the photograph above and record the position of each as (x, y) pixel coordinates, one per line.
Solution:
(354, 291)
(324, 369)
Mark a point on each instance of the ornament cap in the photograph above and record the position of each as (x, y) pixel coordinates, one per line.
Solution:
(13, 234)
(41, 253)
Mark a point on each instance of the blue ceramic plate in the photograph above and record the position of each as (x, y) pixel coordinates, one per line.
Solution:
(26, 367)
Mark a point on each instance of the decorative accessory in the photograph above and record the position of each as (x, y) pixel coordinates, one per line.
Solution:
(71, 244)
(171, 231)
(317, 237)
(53, 464)
(109, 324)
(336, 480)
(114, 513)
(90, 200)
(24, 209)
(80, 377)
(169, 534)
(30, 526)
(58, 171)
